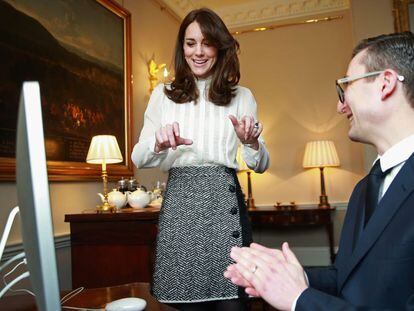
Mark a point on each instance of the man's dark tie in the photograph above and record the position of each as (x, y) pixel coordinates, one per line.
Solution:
(375, 178)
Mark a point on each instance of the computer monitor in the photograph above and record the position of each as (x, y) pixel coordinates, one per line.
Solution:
(34, 201)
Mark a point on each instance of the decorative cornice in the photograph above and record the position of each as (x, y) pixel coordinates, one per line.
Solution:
(259, 12)
(179, 7)
(263, 12)
(287, 24)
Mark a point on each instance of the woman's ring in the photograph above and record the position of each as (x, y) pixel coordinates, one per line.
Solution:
(256, 125)
(254, 269)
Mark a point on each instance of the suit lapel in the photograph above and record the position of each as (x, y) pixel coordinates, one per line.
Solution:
(400, 188)
(359, 220)
(351, 225)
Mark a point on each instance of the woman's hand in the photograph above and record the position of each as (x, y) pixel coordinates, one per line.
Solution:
(168, 136)
(247, 130)
(236, 278)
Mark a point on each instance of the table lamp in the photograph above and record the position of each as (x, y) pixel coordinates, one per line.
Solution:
(104, 150)
(244, 168)
(321, 154)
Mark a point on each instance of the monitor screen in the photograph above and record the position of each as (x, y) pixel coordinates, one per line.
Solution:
(34, 201)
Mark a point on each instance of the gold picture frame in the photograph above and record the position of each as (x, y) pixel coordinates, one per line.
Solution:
(401, 10)
(95, 91)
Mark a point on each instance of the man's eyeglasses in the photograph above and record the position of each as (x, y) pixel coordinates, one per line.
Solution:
(346, 80)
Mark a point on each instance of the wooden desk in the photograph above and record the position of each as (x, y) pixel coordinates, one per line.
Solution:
(116, 248)
(291, 218)
(90, 298)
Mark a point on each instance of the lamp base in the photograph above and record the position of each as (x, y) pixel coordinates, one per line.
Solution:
(250, 203)
(323, 202)
(105, 207)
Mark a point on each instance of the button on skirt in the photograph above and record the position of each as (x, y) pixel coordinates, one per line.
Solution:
(202, 217)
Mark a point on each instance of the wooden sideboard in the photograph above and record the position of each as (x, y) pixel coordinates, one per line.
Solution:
(110, 249)
(296, 217)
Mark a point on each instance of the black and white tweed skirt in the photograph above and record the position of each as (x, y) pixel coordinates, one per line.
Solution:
(202, 217)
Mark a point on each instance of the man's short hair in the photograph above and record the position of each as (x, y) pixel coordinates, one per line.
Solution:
(394, 51)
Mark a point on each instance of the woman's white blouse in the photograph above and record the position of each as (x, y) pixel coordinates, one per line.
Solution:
(214, 140)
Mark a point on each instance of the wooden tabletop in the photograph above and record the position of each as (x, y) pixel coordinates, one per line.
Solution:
(125, 214)
(90, 298)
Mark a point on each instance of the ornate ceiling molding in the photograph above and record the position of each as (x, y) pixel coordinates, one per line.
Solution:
(259, 12)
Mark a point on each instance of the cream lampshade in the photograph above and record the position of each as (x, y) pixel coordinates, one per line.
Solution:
(244, 168)
(321, 154)
(104, 150)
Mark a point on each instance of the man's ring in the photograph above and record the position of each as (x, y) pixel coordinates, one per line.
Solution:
(254, 269)
(256, 125)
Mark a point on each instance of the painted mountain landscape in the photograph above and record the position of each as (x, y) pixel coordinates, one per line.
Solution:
(82, 96)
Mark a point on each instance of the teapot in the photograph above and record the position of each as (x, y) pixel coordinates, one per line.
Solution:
(132, 184)
(115, 198)
(122, 185)
(139, 198)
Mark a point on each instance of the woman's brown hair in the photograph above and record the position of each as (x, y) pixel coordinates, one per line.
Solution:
(225, 72)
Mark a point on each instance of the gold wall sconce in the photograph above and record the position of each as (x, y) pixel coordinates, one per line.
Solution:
(321, 154)
(154, 72)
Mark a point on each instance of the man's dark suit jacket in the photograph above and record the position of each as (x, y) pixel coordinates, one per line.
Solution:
(374, 268)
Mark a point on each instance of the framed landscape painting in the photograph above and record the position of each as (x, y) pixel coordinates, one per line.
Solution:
(80, 53)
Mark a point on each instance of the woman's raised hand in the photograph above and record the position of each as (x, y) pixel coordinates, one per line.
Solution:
(168, 136)
(247, 130)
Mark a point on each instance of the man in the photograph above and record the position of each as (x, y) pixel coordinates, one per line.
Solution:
(374, 267)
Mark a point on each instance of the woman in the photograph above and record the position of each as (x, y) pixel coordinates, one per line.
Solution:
(192, 128)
